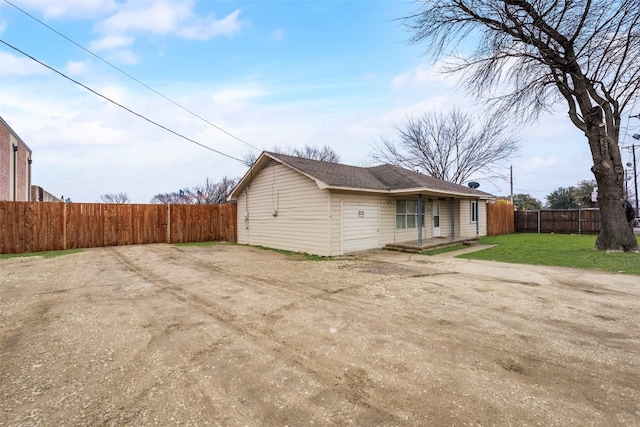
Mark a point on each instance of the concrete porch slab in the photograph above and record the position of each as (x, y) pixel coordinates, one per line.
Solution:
(431, 243)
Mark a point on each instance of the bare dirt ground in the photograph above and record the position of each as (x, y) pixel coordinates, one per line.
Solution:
(231, 335)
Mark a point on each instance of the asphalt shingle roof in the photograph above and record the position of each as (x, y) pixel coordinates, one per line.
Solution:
(384, 177)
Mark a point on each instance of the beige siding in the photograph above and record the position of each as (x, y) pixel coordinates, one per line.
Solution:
(465, 226)
(445, 218)
(312, 220)
(482, 208)
(300, 222)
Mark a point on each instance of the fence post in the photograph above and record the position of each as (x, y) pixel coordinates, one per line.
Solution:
(579, 221)
(538, 221)
(168, 222)
(64, 226)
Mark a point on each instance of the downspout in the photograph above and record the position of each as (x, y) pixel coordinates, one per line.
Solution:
(15, 173)
(420, 210)
(29, 195)
(453, 220)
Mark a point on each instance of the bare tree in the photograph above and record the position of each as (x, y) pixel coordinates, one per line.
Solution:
(452, 146)
(118, 198)
(532, 54)
(212, 193)
(324, 154)
(175, 198)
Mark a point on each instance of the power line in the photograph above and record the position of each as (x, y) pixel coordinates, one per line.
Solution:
(131, 77)
(119, 105)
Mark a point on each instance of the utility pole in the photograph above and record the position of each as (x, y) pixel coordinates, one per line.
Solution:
(511, 180)
(635, 176)
(635, 170)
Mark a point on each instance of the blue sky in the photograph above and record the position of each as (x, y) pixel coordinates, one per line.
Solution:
(285, 73)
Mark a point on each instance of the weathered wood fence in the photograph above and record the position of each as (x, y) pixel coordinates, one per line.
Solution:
(500, 219)
(37, 227)
(574, 221)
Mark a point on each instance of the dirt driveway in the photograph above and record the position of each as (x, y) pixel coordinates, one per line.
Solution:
(231, 335)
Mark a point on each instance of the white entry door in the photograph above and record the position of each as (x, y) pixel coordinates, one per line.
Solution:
(436, 219)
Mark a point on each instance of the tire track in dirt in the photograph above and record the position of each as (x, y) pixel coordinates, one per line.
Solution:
(176, 353)
(316, 367)
(360, 310)
(525, 360)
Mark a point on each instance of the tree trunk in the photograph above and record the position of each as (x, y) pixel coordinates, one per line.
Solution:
(616, 234)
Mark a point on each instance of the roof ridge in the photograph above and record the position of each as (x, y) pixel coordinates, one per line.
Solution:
(379, 177)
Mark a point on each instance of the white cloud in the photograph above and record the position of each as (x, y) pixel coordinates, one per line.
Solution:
(52, 9)
(124, 56)
(111, 42)
(277, 35)
(227, 96)
(76, 67)
(423, 75)
(159, 17)
(211, 27)
(19, 66)
(167, 17)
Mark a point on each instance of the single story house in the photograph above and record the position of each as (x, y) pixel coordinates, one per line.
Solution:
(330, 209)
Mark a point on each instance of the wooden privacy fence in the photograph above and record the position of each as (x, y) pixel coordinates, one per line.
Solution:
(37, 227)
(573, 221)
(500, 219)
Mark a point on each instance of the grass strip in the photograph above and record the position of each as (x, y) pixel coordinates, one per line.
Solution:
(306, 256)
(48, 254)
(562, 250)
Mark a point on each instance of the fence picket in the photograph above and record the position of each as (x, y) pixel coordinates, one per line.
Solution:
(47, 226)
(570, 221)
(500, 219)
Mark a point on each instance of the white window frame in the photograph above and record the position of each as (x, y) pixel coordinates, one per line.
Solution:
(406, 214)
(474, 206)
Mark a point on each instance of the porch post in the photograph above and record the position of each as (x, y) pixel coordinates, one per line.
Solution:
(453, 220)
(420, 210)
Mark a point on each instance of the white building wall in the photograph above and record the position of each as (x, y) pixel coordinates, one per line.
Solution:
(310, 219)
(465, 225)
(300, 222)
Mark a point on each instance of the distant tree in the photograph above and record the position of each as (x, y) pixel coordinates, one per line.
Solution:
(118, 198)
(453, 146)
(174, 198)
(212, 193)
(582, 193)
(324, 154)
(562, 198)
(209, 193)
(526, 202)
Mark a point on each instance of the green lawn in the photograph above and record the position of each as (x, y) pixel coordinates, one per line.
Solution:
(555, 249)
(49, 254)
